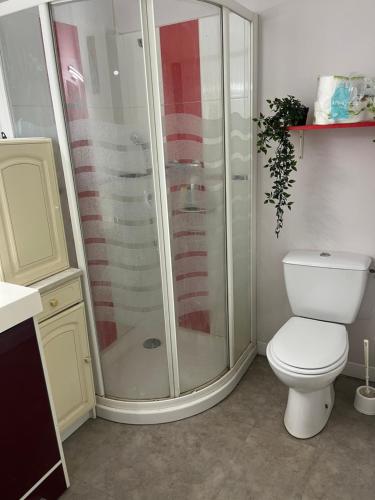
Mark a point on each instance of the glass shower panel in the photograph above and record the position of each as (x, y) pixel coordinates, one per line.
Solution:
(101, 57)
(240, 164)
(189, 40)
(26, 80)
(26, 75)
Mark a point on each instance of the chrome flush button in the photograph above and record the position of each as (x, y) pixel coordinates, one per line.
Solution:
(325, 254)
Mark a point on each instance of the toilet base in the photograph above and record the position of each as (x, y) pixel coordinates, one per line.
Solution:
(307, 413)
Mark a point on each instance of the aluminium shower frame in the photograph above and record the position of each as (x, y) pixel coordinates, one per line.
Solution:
(176, 406)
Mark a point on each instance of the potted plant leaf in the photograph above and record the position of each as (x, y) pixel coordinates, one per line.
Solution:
(273, 132)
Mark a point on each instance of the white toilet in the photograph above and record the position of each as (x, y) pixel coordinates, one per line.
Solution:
(310, 350)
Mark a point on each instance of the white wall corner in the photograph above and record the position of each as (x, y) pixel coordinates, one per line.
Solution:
(261, 347)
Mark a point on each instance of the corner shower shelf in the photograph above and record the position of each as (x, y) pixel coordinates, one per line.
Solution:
(302, 128)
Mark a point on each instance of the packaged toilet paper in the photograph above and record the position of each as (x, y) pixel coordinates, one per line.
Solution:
(344, 99)
(370, 98)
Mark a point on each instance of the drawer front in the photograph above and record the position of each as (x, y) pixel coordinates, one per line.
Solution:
(60, 298)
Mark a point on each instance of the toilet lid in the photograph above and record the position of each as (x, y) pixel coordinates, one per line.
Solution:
(309, 344)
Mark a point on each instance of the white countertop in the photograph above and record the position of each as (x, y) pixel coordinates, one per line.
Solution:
(17, 303)
(56, 280)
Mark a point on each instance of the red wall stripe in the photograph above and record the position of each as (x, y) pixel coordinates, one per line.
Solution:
(180, 54)
(197, 320)
(98, 262)
(103, 303)
(184, 137)
(70, 56)
(84, 169)
(75, 97)
(191, 295)
(101, 283)
(107, 333)
(190, 253)
(88, 218)
(88, 194)
(181, 234)
(193, 274)
(179, 45)
(89, 241)
(80, 143)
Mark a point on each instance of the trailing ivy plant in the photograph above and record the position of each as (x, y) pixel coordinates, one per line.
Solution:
(273, 132)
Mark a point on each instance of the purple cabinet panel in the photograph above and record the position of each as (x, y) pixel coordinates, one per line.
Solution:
(51, 488)
(28, 444)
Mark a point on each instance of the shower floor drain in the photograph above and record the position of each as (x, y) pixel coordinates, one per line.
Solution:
(152, 343)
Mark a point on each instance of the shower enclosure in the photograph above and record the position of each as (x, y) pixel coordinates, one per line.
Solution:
(151, 104)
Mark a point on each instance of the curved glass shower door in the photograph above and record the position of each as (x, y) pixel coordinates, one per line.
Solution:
(113, 74)
(189, 40)
(240, 152)
(100, 50)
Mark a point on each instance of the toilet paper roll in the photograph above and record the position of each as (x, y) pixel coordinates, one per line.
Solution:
(320, 115)
(326, 87)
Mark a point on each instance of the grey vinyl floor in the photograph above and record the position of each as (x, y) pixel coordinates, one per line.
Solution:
(238, 450)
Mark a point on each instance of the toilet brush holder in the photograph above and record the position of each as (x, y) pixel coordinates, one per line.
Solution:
(364, 401)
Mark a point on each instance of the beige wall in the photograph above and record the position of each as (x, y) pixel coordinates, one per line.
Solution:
(334, 193)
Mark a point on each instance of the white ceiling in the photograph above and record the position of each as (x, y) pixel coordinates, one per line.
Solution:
(260, 5)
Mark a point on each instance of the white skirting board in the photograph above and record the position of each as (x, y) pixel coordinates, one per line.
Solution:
(76, 425)
(351, 369)
(357, 370)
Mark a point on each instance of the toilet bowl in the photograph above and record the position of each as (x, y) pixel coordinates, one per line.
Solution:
(310, 350)
(307, 356)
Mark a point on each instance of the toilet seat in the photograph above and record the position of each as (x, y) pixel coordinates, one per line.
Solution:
(309, 372)
(309, 347)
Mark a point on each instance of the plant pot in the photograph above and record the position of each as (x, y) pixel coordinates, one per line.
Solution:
(303, 119)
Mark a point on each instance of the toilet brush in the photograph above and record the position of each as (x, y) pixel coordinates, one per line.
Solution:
(367, 377)
(364, 401)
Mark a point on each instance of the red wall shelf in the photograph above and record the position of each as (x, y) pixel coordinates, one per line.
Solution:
(333, 125)
(302, 128)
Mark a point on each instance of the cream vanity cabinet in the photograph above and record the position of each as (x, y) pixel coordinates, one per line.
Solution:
(32, 238)
(33, 252)
(62, 325)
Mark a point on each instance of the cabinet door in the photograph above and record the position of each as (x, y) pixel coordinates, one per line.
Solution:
(32, 239)
(65, 343)
(29, 448)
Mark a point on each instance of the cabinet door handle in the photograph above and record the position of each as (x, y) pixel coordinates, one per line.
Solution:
(87, 359)
(53, 302)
